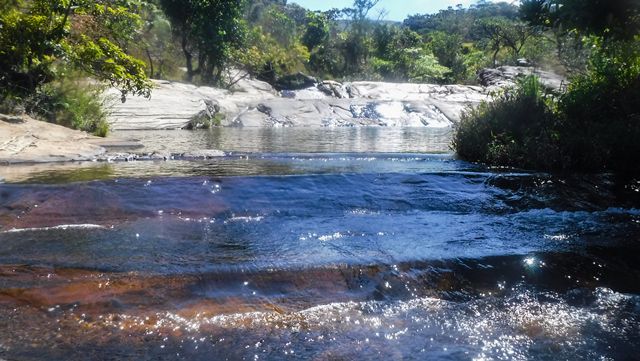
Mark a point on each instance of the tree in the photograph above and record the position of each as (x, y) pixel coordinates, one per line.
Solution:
(41, 39)
(448, 49)
(208, 30)
(316, 30)
(610, 19)
(279, 25)
(573, 21)
(264, 57)
(423, 67)
(503, 33)
(154, 42)
(459, 20)
(356, 46)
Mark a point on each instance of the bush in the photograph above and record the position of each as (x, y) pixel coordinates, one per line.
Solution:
(515, 129)
(593, 127)
(77, 104)
(601, 116)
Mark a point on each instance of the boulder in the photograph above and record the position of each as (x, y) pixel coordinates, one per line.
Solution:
(254, 103)
(295, 81)
(333, 89)
(505, 76)
(175, 105)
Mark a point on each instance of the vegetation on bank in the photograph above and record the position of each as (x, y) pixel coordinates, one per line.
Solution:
(49, 48)
(594, 125)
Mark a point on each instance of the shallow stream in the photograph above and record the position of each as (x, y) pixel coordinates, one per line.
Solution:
(321, 244)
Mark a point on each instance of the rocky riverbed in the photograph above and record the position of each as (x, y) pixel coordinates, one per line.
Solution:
(252, 103)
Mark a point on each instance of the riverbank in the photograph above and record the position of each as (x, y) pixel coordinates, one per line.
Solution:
(24, 139)
(251, 104)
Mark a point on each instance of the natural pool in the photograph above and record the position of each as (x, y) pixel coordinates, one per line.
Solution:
(325, 244)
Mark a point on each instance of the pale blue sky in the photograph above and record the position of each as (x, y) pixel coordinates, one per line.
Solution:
(397, 9)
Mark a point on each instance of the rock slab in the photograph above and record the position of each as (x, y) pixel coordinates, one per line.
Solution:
(24, 139)
(327, 104)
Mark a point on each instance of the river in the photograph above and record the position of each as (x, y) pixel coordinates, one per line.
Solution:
(320, 244)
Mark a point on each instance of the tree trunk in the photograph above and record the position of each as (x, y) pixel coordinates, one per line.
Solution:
(188, 58)
(151, 73)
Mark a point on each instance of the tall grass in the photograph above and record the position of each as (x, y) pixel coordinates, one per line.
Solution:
(76, 103)
(72, 101)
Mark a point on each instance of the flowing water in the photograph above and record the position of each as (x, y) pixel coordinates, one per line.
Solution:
(339, 244)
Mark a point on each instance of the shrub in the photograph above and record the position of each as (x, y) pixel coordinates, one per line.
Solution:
(601, 116)
(515, 129)
(71, 102)
(593, 127)
(75, 103)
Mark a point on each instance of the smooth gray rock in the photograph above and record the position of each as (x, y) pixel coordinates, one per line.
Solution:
(506, 76)
(28, 140)
(254, 103)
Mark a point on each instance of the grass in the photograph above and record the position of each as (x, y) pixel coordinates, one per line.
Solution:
(73, 102)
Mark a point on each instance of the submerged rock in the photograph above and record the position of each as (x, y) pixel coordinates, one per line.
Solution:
(203, 154)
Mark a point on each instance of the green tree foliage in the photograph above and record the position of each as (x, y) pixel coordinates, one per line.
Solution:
(459, 20)
(503, 33)
(610, 19)
(267, 59)
(279, 26)
(400, 54)
(155, 44)
(449, 50)
(600, 113)
(208, 31)
(316, 30)
(423, 67)
(41, 40)
(357, 41)
(273, 47)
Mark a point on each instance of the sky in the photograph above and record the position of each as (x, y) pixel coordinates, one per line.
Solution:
(397, 9)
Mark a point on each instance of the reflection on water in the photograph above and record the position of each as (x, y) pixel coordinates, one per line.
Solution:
(281, 252)
(297, 140)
